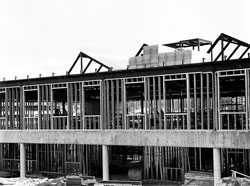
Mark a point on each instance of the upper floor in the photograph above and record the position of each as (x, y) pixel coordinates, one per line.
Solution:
(200, 96)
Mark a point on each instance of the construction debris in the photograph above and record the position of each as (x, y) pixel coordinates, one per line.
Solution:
(232, 181)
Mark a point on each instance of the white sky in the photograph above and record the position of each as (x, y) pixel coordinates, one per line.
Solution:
(45, 36)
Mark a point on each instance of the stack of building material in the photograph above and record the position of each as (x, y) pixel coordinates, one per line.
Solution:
(187, 56)
(151, 58)
(73, 180)
(147, 60)
(177, 57)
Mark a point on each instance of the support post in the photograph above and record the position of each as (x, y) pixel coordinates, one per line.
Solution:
(22, 161)
(105, 163)
(217, 165)
(1, 158)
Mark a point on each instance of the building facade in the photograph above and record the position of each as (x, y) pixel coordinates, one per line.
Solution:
(161, 117)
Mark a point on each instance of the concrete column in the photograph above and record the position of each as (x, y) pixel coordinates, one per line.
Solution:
(1, 150)
(217, 165)
(22, 161)
(105, 163)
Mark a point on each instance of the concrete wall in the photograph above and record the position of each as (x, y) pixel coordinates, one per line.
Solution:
(179, 138)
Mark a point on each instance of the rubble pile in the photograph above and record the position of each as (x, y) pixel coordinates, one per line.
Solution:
(30, 182)
(232, 181)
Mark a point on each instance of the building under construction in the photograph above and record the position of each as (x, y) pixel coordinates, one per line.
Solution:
(164, 115)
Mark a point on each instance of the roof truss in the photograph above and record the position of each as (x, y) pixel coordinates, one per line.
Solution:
(140, 50)
(230, 40)
(80, 58)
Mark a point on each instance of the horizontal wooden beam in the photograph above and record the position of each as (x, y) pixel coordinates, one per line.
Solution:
(177, 138)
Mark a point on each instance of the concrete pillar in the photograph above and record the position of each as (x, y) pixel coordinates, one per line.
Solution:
(22, 161)
(217, 165)
(105, 163)
(1, 150)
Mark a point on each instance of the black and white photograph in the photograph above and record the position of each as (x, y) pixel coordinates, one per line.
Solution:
(124, 93)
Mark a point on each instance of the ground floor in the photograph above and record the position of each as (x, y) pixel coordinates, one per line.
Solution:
(129, 162)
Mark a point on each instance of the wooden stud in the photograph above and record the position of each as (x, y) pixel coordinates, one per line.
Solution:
(108, 106)
(83, 108)
(195, 103)
(154, 102)
(217, 123)
(160, 101)
(81, 104)
(12, 108)
(76, 87)
(21, 107)
(47, 117)
(150, 110)
(70, 103)
(102, 113)
(201, 105)
(6, 108)
(117, 104)
(164, 104)
(246, 98)
(41, 98)
(112, 104)
(51, 105)
(208, 100)
(123, 97)
(188, 102)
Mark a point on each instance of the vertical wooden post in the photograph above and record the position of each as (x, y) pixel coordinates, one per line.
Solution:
(208, 100)
(39, 108)
(195, 102)
(164, 103)
(145, 104)
(188, 102)
(81, 105)
(51, 106)
(216, 93)
(123, 93)
(112, 104)
(6, 108)
(102, 99)
(42, 117)
(37, 157)
(107, 126)
(12, 124)
(159, 101)
(148, 106)
(117, 104)
(154, 102)
(202, 109)
(22, 101)
(247, 97)
(70, 123)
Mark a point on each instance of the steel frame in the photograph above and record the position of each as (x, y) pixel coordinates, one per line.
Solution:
(230, 40)
(82, 55)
